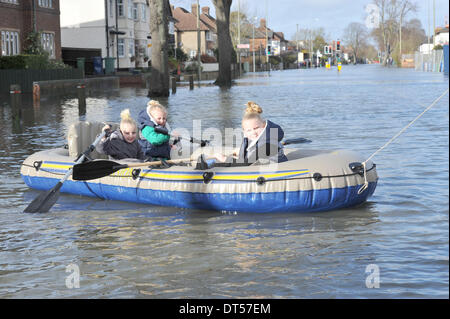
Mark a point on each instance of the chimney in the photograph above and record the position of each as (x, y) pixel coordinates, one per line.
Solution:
(262, 23)
(205, 10)
(194, 9)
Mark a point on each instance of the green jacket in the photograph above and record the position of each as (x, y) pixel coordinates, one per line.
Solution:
(153, 137)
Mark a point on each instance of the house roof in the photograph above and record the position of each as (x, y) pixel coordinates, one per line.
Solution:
(209, 21)
(187, 21)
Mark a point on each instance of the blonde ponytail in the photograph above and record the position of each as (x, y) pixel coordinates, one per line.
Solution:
(252, 111)
(126, 118)
(252, 107)
(153, 105)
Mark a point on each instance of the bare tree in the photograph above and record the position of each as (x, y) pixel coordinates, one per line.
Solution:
(224, 40)
(392, 14)
(405, 7)
(355, 36)
(159, 28)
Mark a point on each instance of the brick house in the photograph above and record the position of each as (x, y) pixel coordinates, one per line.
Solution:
(186, 31)
(20, 17)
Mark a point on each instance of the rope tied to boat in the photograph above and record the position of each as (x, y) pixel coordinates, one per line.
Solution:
(366, 183)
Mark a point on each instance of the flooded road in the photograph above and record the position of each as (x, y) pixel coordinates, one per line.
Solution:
(393, 246)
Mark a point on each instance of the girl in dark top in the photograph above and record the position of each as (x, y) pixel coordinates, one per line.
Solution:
(261, 142)
(122, 143)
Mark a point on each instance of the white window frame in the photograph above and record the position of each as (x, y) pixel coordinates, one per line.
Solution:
(10, 44)
(143, 12)
(48, 43)
(46, 4)
(111, 7)
(130, 47)
(130, 9)
(192, 54)
(135, 12)
(10, 1)
(121, 47)
(120, 8)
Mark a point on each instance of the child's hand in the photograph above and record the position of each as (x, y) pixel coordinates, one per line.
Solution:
(220, 157)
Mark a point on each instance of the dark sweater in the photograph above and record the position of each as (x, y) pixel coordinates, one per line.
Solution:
(118, 148)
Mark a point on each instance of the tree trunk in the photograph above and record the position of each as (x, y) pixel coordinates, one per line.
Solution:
(159, 28)
(224, 39)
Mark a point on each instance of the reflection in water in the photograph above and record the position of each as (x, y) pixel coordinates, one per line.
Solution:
(125, 250)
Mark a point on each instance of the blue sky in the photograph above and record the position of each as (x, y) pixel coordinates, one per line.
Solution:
(332, 15)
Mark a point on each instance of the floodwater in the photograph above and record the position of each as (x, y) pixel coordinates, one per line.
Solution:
(393, 246)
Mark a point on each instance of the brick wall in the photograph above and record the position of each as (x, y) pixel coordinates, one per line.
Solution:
(19, 17)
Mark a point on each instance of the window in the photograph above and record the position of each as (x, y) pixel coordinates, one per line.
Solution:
(121, 47)
(48, 43)
(144, 12)
(111, 8)
(131, 47)
(135, 11)
(10, 1)
(45, 3)
(120, 8)
(192, 54)
(208, 35)
(130, 9)
(10, 43)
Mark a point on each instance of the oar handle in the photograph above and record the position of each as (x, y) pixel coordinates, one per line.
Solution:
(163, 130)
(175, 161)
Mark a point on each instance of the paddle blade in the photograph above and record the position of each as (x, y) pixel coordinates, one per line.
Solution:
(299, 140)
(44, 201)
(95, 169)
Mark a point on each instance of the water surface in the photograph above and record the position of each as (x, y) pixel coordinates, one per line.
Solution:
(125, 250)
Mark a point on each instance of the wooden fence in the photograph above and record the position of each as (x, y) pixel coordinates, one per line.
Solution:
(25, 78)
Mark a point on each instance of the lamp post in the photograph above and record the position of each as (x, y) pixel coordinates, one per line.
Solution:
(239, 36)
(198, 43)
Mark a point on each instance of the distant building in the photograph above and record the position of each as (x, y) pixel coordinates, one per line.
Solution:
(18, 18)
(441, 37)
(118, 28)
(186, 31)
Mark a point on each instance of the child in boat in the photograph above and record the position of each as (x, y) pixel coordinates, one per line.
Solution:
(154, 131)
(121, 143)
(261, 142)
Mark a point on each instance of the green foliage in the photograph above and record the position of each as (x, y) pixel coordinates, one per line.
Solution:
(438, 47)
(33, 44)
(181, 56)
(30, 61)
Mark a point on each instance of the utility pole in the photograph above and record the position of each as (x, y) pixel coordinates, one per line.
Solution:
(253, 44)
(267, 41)
(434, 22)
(198, 43)
(239, 36)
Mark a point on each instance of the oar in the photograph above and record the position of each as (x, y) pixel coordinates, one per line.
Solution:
(165, 131)
(46, 200)
(101, 168)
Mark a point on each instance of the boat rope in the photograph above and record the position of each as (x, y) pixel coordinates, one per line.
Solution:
(366, 183)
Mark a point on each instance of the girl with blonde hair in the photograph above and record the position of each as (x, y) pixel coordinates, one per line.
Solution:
(261, 143)
(262, 138)
(152, 122)
(122, 143)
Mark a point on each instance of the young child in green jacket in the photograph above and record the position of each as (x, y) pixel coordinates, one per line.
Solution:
(152, 123)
